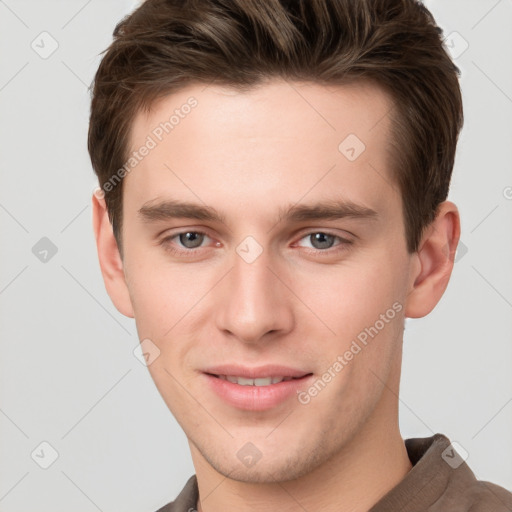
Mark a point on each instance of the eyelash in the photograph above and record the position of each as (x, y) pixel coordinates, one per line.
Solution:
(340, 247)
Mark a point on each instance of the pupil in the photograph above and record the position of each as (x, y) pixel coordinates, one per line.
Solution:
(322, 240)
(191, 239)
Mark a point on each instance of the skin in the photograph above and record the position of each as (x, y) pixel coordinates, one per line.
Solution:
(248, 154)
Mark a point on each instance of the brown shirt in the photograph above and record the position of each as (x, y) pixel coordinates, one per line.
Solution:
(439, 481)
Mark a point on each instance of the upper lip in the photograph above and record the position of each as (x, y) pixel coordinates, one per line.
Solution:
(270, 370)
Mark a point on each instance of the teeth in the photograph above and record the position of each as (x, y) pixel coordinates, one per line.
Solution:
(264, 381)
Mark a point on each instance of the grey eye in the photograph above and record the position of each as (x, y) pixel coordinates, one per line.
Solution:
(191, 239)
(322, 240)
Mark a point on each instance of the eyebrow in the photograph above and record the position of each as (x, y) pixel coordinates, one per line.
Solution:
(323, 210)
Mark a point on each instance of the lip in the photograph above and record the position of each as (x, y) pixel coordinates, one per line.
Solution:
(269, 370)
(256, 398)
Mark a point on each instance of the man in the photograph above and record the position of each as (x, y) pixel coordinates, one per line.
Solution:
(272, 207)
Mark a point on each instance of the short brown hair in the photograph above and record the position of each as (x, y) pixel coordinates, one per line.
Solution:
(165, 45)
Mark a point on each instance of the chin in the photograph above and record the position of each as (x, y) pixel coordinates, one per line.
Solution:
(264, 471)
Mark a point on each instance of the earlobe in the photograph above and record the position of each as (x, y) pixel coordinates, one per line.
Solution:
(110, 260)
(435, 258)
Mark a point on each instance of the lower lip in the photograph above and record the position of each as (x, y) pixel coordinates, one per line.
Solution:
(257, 398)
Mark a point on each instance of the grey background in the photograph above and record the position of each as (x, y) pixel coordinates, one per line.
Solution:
(68, 375)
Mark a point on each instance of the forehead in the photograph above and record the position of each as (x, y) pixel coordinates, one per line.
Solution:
(353, 107)
(217, 143)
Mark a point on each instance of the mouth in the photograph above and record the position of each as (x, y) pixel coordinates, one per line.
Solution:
(257, 390)
(260, 381)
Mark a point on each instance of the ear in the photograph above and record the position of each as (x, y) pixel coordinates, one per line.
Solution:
(435, 257)
(109, 257)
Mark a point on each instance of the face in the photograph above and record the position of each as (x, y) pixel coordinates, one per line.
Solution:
(263, 236)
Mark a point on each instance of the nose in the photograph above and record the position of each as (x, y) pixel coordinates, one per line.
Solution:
(253, 303)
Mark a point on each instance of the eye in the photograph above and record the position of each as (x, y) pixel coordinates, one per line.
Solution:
(190, 239)
(185, 243)
(322, 241)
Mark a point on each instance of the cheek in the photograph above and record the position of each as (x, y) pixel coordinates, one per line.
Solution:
(159, 296)
(352, 294)
(173, 306)
(360, 301)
